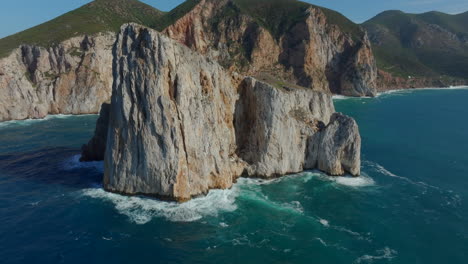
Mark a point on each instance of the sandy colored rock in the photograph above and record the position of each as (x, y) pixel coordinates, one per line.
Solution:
(73, 77)
(313, 53)
(171, 123)
(273, 125)
(336, 148)
(180, 124)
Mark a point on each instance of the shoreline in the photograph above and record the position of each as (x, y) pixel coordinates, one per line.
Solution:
(334, 97)
(458, 87)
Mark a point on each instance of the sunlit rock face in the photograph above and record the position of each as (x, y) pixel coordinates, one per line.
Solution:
(73, 77)
(313, 53)
(179, 124)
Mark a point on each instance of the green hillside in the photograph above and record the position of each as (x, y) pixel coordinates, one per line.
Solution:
(278, 16)
(431, 44)
(97, 16)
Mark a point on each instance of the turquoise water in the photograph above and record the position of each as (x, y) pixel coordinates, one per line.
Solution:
(409, 206)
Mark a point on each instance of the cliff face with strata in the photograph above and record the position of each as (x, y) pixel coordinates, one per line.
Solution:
(179, 124)
(73, 77)
(313, 53)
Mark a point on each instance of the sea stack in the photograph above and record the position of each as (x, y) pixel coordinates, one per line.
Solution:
(180, 124)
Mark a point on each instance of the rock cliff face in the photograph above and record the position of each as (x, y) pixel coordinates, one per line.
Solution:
(73, 77)
(171, 128)
(180, 124)
(336, 148)
(313, 53)
(273, 124)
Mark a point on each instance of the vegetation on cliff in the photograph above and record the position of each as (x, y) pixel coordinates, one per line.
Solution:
(278, 16)
(108, 15)
(97, 16)
(432, 44)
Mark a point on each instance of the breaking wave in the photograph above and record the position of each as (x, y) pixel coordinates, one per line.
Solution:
(142, 210)
(349, 181)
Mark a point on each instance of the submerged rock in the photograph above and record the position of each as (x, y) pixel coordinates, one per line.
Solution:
(180, 124)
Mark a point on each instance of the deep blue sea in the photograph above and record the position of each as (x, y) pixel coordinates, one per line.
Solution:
(410, 205)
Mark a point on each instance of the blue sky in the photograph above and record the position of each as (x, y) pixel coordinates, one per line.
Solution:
(17, 15)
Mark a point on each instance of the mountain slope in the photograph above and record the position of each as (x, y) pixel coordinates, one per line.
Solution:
(432, 44)
(97, 16)
(285, 42)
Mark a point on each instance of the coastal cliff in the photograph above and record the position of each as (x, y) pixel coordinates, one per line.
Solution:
(301, 46)
(180, 124)
(73, 77)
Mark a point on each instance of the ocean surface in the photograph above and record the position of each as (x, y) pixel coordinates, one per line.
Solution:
(410, 205)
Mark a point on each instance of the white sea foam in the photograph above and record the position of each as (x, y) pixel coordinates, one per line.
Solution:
(340, 97)
(142, 210)
(294, 205)
(324, 222)
(362, 181)
(74, 163)
(321, 241)
(385, 253)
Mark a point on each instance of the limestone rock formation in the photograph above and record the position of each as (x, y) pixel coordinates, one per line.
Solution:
(273, 125)
(171, 123)
(73, 77)
(180, 124)
(313, 53)
(336, 148)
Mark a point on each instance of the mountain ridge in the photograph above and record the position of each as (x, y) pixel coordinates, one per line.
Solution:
(431, 44)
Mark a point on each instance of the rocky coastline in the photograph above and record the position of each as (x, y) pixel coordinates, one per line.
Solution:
(179, 124)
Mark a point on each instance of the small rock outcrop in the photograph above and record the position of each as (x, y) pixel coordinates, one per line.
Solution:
(73, 77)
(336, 148)
(180, 124)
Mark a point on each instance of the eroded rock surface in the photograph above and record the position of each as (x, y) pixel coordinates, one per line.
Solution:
(313, 53)
(180, 124)
(73, 77)
(171, 123)
(336, 148)
(273, 125)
